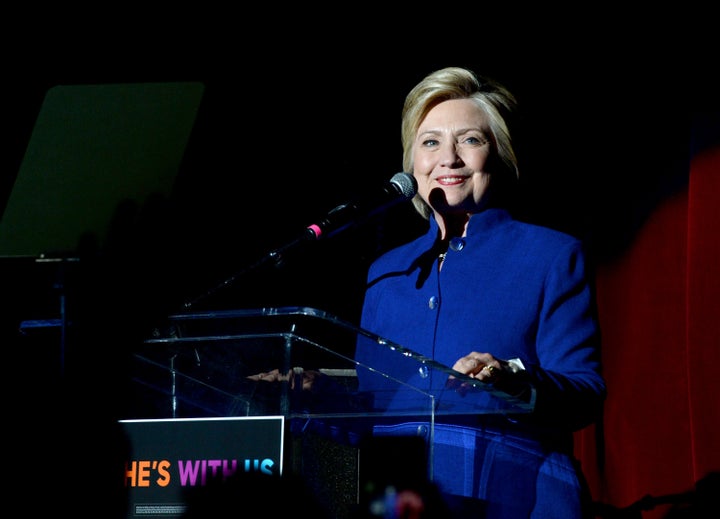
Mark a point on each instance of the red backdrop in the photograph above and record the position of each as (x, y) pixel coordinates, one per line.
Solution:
(659, 308)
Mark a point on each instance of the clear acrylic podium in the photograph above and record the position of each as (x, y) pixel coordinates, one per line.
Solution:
(199, 364)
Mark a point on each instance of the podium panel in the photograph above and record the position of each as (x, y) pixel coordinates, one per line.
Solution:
(206, 364)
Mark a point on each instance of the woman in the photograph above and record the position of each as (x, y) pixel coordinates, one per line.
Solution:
(503, 301)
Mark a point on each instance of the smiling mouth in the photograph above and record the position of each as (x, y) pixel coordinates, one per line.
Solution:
(447, 181)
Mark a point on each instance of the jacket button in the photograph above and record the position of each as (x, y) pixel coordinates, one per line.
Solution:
(433, 302)
(457, 244)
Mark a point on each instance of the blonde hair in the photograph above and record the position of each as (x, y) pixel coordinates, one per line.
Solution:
(492, 98)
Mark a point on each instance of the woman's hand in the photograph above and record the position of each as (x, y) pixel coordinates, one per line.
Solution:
(294, 376)
(481, 366)
(507, 376)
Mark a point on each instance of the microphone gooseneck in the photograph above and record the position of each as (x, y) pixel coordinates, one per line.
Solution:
(401, 187)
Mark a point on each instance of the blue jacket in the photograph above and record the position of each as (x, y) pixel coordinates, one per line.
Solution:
(514, 290)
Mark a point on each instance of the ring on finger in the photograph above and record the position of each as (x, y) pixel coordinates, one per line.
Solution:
(490, 369)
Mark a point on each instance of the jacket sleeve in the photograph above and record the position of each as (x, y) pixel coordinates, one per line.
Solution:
(570, 390)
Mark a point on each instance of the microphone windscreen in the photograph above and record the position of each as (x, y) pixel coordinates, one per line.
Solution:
(406, 183)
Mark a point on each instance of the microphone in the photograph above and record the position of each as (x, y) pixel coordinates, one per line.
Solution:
(401, 187)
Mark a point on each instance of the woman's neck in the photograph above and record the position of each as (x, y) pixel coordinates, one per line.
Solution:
(452, 225)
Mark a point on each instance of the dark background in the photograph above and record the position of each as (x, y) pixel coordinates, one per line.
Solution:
(280, 139)
(293, 124)
(278, 143)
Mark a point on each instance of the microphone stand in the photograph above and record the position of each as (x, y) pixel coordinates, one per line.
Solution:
(275, 257)
(402, 187)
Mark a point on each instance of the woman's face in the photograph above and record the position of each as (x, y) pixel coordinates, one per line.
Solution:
(450, 156)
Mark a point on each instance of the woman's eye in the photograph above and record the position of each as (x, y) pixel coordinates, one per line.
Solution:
(430, 142)
(475, 140)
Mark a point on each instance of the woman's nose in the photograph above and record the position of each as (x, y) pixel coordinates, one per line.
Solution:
(450, 156)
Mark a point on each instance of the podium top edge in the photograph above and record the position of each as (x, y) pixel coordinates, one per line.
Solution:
(40, 258)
